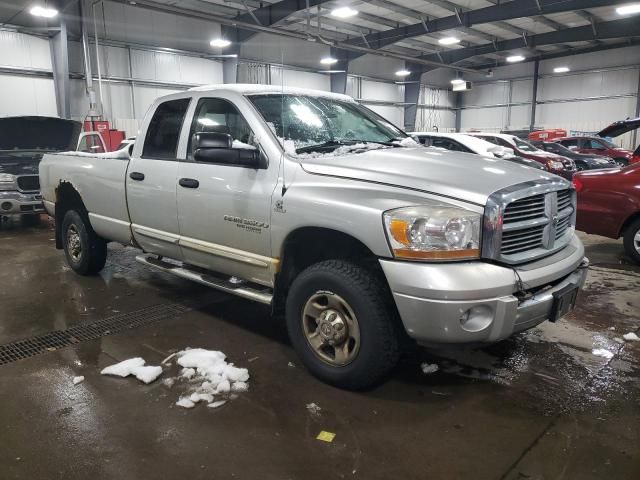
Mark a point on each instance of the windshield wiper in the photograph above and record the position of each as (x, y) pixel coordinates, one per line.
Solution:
(326, 145)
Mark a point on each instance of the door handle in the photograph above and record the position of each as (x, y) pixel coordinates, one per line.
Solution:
(189, 183)
(137, 176)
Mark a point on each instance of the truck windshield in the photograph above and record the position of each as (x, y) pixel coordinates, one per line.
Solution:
(319, 124)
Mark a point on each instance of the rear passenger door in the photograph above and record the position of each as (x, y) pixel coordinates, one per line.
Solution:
(152, 180)
(225, 210)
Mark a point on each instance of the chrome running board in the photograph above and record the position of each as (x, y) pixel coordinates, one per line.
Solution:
(244, 290)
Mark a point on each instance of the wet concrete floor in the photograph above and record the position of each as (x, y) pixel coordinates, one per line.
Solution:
(537, 406)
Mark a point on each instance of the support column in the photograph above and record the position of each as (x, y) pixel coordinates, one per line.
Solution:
(635, 132)
(230, 64)
(411, 96)
(458, 106)
(60, 62)
(534, 95)
(339, 79)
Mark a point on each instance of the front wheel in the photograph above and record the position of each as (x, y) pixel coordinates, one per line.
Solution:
(631, 241)
(86, 253)
(343, 324)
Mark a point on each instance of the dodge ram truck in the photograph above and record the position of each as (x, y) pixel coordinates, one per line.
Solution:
(313, 204)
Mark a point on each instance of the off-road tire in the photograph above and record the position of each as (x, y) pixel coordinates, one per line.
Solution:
(93, 248)
(376, 314)
(628, 240)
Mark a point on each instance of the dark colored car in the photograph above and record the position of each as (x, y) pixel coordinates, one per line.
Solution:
(609, 205)
(553, 163)
(598, 146)
(582, 160)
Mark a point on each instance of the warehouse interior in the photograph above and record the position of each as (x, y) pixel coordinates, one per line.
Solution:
(558, 400)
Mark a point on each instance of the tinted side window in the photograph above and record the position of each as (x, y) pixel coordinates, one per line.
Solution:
(441, 143)
(570, 143)
(218, 115)
(595, 145)
(163, 133)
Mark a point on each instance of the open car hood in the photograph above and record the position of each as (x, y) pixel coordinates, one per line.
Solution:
(39, 134)
(618, 128)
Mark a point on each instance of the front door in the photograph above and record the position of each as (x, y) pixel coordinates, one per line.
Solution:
(223, 210)
(152, 179)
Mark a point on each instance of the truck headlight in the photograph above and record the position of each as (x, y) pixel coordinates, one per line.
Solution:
(437, 232)
(7, 181)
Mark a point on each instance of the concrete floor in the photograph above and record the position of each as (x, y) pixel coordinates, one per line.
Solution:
(537, 406)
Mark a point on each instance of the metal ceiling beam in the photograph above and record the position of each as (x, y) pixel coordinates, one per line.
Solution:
(271, 14)
(566, 53)
(628, 27)
(492, 14)
(234, 22)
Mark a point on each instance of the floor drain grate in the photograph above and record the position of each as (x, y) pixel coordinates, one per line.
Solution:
(83, 332)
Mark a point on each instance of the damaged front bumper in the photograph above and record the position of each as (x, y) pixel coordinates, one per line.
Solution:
(479, 302)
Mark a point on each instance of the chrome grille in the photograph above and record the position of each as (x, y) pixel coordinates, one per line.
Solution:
(528, 221)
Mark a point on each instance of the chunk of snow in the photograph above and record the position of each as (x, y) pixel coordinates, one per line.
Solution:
(188, 373)
(408, 142)
(77, 380)
(291, 364)
(185, 403)
(146, 374)
(239, 387)
(601, 352)
(217, 404)
(117, 155)
(124, 368)
(314, 408)
(200, 358)
(612, 328)
(618, 340)
(223, 387)
(242, 145)
(428, 368)
(168, 382)
(631, 337)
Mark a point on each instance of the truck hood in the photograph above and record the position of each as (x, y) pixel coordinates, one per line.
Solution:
(464, 176)
(39, 133)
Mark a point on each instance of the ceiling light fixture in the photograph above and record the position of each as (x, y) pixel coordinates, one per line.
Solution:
(45, 12)
(628, 9)
(560, 69)
(515, 58)
(403, 73)
(449, 41)
(344, 12)
(219, 43)
(457, 81)
(328, 60)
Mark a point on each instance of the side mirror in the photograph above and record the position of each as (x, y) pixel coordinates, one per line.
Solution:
(215, 147)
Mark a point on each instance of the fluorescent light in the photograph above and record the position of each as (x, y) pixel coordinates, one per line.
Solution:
(628, 9)
(332, 71)
(43, 12)
(449, 41)
(328, 61)
(561, 70)
(403, 73)
(219, 43)
(344, 12)
(515, 58)
(457, 81)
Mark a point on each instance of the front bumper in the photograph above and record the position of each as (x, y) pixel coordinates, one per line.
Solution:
(16, 202)
(474, 302)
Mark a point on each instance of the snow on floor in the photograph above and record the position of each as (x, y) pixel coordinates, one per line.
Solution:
(601, 352)
(77, 380)
(428, 368)
(124, 368)
(631, 337)
(212, 380)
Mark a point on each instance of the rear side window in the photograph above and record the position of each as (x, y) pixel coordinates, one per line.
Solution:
(570, 143)
(163, 133)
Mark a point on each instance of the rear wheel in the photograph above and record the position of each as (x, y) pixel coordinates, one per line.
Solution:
(342, 323)
(86, 253)
(632, 241)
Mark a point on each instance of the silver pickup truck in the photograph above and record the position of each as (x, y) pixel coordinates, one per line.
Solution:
(313, 204)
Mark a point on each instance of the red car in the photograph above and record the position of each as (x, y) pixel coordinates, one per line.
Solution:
(598, 146)
(609, 205)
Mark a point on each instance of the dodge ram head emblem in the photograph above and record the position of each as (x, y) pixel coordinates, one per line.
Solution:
(554, 220)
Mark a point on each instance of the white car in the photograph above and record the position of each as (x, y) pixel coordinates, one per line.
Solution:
(460, 142)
